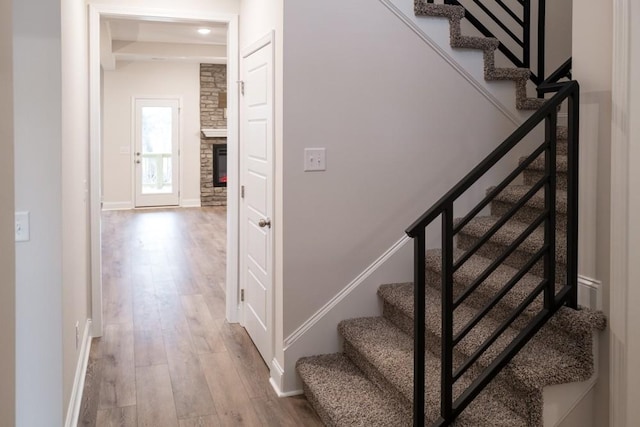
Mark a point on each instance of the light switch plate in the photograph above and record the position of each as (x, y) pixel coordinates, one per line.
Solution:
(315, 159)
(22, 226)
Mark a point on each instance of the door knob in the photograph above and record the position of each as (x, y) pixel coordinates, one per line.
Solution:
(264, 222)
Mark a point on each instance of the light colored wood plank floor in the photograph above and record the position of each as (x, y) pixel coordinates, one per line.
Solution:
(168, 357)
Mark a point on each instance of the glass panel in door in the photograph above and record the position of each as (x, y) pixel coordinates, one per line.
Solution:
(156, 150)
(157, 134)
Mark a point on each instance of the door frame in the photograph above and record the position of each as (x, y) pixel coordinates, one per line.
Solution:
(268, 39)
(134, 136)
(96, 11)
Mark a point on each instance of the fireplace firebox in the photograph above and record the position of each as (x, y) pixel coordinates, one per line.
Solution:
(220, 165)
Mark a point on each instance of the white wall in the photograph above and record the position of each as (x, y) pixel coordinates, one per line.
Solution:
(151, 79)
(633, 338)
(592, 47)
(400, 129)
(75, 184)
(559, 33)
(7, 244)
(38, 189)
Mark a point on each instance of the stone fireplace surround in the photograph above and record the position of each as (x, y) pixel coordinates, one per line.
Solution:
(213, 81)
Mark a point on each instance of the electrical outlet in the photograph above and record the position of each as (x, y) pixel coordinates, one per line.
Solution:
(22, 226)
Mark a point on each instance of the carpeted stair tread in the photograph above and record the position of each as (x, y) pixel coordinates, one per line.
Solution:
(381, 346)
(486, 44)
(573, 322)
(562, 163)
(343, 396)
(513, 193)
(542, 361)
(472, 42)
(438, 10)
(509, 232)
(507, 74)
(562, 133)
(529, 103)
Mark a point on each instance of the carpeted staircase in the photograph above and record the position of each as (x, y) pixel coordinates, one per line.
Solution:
(371, 382)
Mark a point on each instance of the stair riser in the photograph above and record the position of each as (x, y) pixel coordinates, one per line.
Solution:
(503, 388)
(502, 310)
(388, 389)
(532, 176)
(516, 260)
(326, 419)
(526, 214)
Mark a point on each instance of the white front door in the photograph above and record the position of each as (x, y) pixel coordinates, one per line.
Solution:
(157, 129)
(257, 204)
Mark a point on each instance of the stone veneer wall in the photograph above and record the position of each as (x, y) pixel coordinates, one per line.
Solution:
(213, 81)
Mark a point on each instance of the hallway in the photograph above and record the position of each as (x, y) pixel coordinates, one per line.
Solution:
(167, 357)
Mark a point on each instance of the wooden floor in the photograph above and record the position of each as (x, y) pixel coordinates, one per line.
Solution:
(168, 357)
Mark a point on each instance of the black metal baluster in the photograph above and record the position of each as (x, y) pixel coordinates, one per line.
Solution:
(526, 34)
(572, 197)
(419, 327)
(541, 40)
(550, 206)
(446, 394)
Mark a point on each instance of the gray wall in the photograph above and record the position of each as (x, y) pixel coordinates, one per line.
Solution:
(38, 189)
(7, 244)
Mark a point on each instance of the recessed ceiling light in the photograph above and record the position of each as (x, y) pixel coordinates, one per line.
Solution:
(204, 31)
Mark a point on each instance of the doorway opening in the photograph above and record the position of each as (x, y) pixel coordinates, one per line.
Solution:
(160, 172)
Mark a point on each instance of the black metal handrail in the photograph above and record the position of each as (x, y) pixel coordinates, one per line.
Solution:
(522, 25)
(552, 299)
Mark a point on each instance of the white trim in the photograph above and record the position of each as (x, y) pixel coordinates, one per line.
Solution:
(117, 206)
(73, 410)
(318, 315)
(190, 203)
(233, 164)
(589, 293)
(619, 256)
(277, 373)
(479, 86)
(233, 195)
(284, 394)
(95, 169)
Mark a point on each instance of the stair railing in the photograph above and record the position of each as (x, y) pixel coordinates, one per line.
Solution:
(553, 298)
(519, 21)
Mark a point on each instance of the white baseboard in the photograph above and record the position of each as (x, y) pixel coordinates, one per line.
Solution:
(117, 206)
(277, 373)
(73, 410)
(319, 334)
(190, 203)
(589, 293)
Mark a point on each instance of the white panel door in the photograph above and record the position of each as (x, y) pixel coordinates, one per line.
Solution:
(257, 204)
(157, 132)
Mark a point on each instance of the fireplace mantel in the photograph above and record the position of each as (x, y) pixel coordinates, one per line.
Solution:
(214, 133)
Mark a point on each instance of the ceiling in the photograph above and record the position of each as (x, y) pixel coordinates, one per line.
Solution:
(144, 40)
(167, 32)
